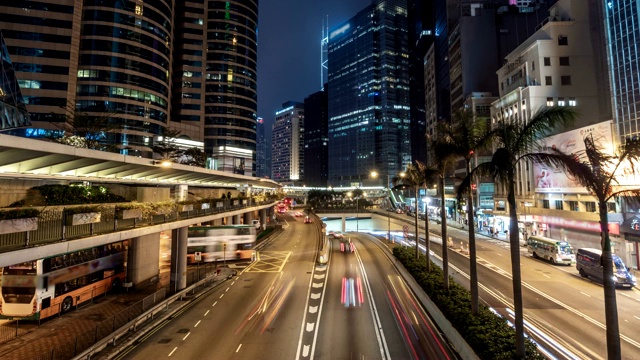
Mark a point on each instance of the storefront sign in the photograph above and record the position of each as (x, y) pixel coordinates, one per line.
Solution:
(614, 227)
(631, 225)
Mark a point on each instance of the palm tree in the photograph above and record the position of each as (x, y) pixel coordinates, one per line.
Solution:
(601, 174)
(462, 139)
(429, 175)
(413, 179)
(517, 141)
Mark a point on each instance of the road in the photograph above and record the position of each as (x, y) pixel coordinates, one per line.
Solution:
(284, 306)
(565, 312)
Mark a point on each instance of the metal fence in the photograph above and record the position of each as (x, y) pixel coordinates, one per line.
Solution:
(52, 226)
(103, 329)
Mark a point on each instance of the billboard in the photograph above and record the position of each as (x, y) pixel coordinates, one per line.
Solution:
(552, 180)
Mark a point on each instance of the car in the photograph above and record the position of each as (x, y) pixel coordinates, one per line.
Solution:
(337, 235)
(399, 211)
(307, 220)
(298, 214)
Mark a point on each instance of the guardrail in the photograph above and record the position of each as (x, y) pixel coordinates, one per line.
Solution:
(52, 225)
(158, 312)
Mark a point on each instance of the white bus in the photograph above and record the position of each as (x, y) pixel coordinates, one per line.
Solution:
(555, 251)
(41, 288)
(230, 242)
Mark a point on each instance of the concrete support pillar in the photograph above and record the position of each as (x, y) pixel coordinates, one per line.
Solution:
(217, 222)
(181, 192)
(247, 217)
(228, 220)
(263, 218)
(344, 223)
(178, 259)
(143, 259)
(236, 220)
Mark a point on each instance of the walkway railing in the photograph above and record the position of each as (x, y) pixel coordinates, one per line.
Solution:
(52, 225)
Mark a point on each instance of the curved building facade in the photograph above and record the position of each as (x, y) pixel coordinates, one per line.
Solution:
(124, 68)
(231, 85)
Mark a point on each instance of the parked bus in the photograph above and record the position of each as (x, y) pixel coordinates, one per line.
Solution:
(557, 252)
(42, 288)
(221, 242)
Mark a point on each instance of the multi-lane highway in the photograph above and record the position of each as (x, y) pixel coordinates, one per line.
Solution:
(563, 312)
(285, 306)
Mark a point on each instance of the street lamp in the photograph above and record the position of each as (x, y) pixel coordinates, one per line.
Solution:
(374, 174)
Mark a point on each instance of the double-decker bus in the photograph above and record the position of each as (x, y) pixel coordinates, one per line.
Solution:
(45, 287)
(281, 207)
(221, 242)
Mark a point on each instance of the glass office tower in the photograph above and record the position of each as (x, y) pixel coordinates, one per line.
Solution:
(622, 26)
(368, 68)
(231, 85)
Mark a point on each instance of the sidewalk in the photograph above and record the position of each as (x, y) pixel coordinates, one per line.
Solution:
(56, 338)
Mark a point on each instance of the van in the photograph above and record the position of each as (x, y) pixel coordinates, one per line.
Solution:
(588, 265)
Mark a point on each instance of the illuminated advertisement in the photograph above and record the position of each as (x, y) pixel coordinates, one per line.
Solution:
(553, 180)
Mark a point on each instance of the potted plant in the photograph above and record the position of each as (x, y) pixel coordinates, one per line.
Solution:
(164, 207)
(18, 220)
(82, 215)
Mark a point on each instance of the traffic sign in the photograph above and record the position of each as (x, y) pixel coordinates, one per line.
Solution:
(197, 256)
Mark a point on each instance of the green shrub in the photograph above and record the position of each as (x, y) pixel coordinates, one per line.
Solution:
(19, 214)
(488, 334)
(71, 195)
(82, 209)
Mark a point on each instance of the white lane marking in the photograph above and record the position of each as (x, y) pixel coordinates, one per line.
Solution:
(221, 296)
(316, 285)
(318, 268)
(315, 296)
(214, 304)
(305, 351)
(186, 336)
(547, 276)
(587, 295)
(226, 290)
(172, 351)
(198, 323)
(233, 283)
(205, 314)
(310, 327)
(239, 346)
(637, 317)
(498, 254)
(382, 342)
(319, 277)
(313, 309)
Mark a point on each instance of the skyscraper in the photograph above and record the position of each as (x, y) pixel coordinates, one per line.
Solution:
(13, 111)
(263, 150)
(137, 61)
(316, 141)
(231, 84)
(623, 35)
(368, 67)
(287, 144)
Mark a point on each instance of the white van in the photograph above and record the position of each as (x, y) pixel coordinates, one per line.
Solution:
(588, 265)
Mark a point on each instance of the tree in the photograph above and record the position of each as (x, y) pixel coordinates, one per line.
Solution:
(602, 174)
(463, 139)
(192, 156)
(429, 176)
(86, 130)
(412, 179)
(517, 141)
(166, 147)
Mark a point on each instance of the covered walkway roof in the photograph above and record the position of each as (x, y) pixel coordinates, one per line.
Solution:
(23, 158)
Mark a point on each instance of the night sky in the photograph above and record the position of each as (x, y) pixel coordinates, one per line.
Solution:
(289, 35)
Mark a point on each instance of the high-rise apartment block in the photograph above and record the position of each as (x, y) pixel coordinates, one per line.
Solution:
(189, 66)
(287, 144)
(368, 67)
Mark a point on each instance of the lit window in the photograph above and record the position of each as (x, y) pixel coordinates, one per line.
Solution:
(572, 101)
(549, 101)
(138, 9)
(560, 101)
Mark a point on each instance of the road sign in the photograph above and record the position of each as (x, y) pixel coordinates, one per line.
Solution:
(197, 256)
(405, 229)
